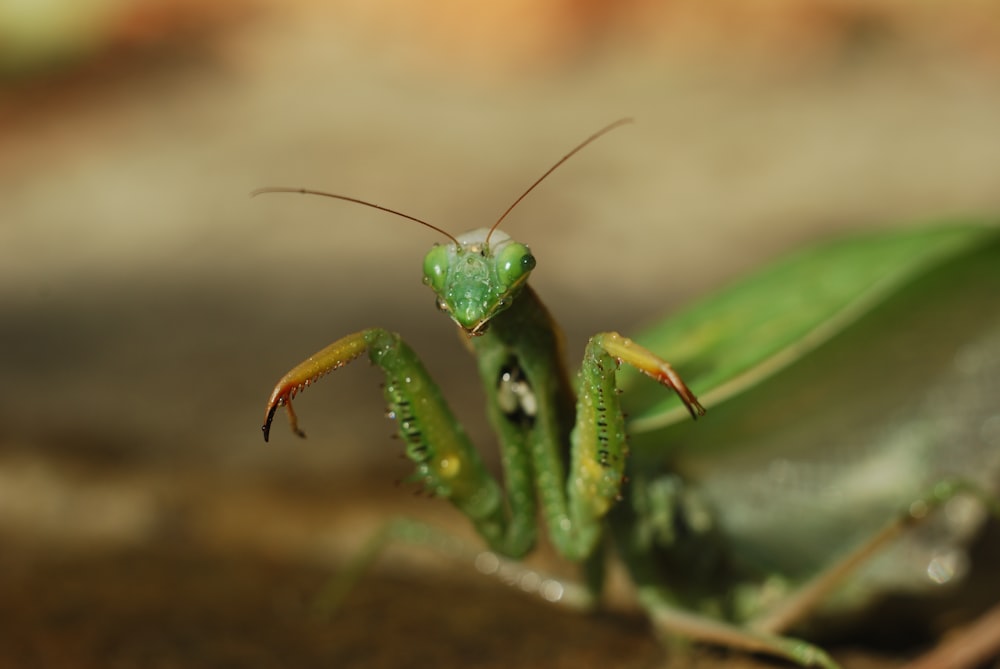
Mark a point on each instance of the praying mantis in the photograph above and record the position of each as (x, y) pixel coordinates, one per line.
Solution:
(565, 453)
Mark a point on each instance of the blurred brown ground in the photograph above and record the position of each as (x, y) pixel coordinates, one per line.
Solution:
(147, 304)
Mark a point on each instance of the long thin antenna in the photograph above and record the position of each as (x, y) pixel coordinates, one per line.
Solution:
(306, 191)
(606, 129)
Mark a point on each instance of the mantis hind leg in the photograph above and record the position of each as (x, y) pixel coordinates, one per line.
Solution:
(807, 598)
(674, 622)
(650, 533)
(764, 633)
(555, 590)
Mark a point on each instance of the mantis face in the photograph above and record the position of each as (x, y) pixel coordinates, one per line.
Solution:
(477, 278)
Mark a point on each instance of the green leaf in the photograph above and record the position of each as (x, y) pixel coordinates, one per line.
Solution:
(877, 379)
(733, 340)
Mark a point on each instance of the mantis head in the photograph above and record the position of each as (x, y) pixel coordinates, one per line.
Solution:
(478, 276)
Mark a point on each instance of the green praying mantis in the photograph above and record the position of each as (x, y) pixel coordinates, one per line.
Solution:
(781, 485)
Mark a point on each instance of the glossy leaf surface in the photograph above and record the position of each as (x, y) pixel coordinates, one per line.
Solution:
(899, 390)
(730, 341)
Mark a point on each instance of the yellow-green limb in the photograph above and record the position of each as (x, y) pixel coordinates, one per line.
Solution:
(304, 374)
(447, 465)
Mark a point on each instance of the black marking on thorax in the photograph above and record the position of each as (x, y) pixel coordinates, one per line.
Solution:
(515, 395)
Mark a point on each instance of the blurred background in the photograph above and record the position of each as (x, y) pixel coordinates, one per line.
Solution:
(148, 304)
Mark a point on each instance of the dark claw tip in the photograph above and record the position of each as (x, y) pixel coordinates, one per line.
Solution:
(266, 427)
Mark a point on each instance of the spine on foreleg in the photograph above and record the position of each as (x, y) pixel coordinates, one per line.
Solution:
(446, 462)
(600, 448)
(597, 466)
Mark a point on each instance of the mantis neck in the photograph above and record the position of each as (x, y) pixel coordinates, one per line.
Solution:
(525, 335)
(534, 423)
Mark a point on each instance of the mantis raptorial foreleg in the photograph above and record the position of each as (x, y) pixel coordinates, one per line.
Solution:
(599, 447)
(449, 466)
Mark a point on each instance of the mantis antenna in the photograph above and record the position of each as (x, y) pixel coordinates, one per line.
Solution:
(306, 191)
(603, 131)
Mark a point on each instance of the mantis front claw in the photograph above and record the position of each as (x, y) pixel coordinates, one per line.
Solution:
(334, 356)
(627, 351)
(281, 397)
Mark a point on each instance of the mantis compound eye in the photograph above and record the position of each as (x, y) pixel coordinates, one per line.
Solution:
(514, 264)
(435, 268)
